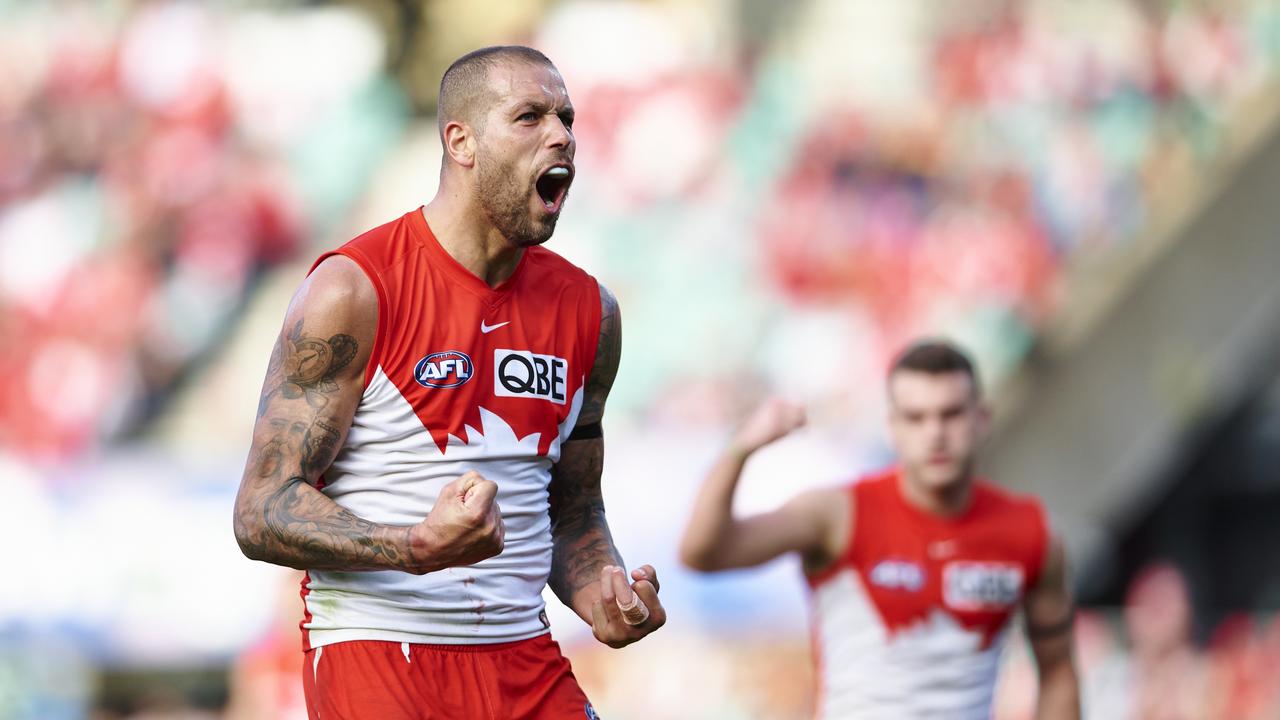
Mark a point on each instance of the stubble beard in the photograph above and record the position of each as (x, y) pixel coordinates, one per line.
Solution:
(506, 205)
(962, 471)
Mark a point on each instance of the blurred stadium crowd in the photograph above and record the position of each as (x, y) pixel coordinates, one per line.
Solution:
(153, 163)
(766, 187)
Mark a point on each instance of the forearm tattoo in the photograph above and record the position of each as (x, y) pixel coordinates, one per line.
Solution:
(280, 516)
(581, 543)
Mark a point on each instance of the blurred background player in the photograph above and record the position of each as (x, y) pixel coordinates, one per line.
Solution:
(914, 571)
(428, 444)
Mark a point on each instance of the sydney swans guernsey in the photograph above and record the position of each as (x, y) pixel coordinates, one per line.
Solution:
(909, 622)
(462, 377)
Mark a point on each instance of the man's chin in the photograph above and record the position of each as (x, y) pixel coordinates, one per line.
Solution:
(541, 233)
(943, 477)
(529, 242)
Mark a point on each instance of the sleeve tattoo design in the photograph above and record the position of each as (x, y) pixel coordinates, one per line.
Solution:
(581, 541)
(281, 517)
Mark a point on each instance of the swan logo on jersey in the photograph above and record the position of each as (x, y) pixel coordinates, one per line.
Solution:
(898, 575)
(975, 586)
(524, 374)
(443, 369)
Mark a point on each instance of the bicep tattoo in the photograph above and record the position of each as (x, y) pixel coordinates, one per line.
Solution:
(309, 366)
(298, 436)
(608, 355)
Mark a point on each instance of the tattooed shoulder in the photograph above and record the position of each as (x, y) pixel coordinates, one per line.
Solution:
(608, 355)
(305, 366)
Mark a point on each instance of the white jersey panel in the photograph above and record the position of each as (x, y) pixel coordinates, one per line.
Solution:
(934, 669)
(390, 471)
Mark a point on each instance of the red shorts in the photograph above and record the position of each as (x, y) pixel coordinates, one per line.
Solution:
(382, 680)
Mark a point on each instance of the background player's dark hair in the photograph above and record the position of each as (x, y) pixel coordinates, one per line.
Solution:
(936, 357)
(466, 80)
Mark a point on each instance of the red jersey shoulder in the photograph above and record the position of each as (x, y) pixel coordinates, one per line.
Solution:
(549, 280)
(550, 265)
(1023, 523)
(1024, 513)
(867, 496)
(379, 252)
(877, 486)
(552, 260)
(381, 246)
(878, 503)
(1003, 498)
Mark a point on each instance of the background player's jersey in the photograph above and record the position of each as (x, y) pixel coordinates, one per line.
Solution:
(462, 377)
(909, 622)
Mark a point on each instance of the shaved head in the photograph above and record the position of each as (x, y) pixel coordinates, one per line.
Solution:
(506, 133)
(465, 95)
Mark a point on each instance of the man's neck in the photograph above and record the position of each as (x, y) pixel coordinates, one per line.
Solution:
(467, 235)
(948, 501)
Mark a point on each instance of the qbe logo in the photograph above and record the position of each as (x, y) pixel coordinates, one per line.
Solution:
(976, 586)
(447, 369)
(524, 374)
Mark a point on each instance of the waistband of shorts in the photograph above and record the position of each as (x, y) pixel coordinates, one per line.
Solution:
(439, 647)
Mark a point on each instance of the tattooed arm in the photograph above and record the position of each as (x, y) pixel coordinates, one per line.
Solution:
(586, 568)
(314, 383)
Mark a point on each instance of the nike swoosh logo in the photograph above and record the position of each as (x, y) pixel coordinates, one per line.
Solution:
(486, 329)
(942, 548)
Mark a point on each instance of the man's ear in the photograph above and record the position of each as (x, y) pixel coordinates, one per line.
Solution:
(460, 143)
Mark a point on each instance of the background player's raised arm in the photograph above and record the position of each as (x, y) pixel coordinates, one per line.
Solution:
(814, 523)
(1050, 613)
(314, 382)
(587, 572)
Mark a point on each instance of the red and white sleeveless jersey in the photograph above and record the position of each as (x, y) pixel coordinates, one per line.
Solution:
(909, 622)
(462, 377)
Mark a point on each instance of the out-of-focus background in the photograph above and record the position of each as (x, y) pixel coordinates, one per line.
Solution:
(1083, 193)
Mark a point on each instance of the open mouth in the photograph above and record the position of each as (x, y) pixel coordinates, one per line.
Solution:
(553, 185)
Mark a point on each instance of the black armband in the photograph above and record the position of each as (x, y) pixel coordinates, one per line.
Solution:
(590, 431)
(1041, 632)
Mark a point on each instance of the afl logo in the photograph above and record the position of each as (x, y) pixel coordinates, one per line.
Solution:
(443, 369)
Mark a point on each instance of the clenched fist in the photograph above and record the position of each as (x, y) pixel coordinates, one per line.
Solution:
(463, 528)
(614, 620)
(774, 419)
